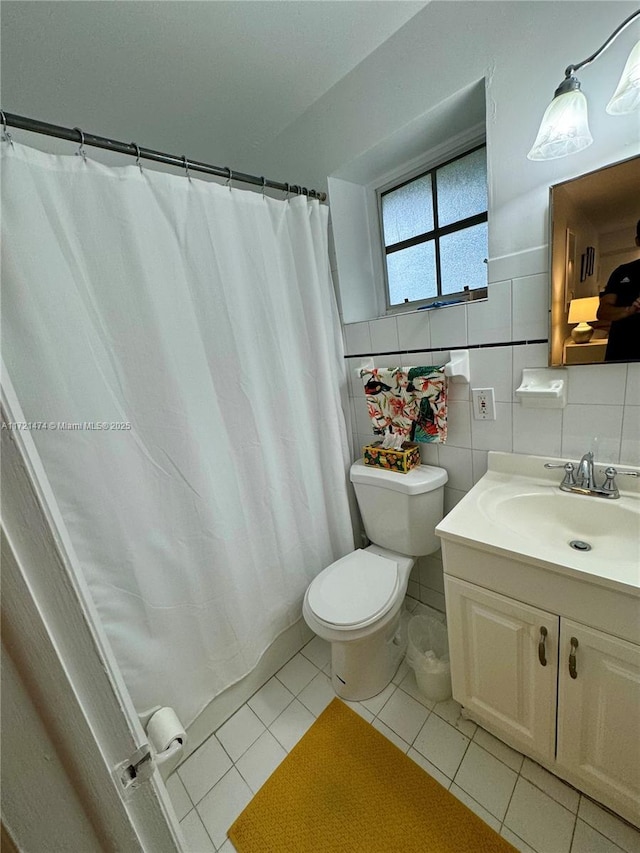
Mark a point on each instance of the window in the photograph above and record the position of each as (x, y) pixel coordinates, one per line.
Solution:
(434, 228)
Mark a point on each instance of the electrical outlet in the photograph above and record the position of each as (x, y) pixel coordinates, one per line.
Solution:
(484, 404)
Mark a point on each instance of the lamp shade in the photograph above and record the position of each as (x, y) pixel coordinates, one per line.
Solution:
(583, 310)
(564, 128)
(626, 97)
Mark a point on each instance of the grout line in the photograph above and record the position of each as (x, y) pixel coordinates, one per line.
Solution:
(449, 348)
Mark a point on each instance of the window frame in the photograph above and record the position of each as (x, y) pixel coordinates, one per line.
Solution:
(435, 234)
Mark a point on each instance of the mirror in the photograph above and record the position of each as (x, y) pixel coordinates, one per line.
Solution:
(593, 232)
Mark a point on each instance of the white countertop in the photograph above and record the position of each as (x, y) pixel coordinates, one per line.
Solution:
(480, 521)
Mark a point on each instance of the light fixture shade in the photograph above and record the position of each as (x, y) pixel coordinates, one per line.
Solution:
(626, 97)
(564, 128)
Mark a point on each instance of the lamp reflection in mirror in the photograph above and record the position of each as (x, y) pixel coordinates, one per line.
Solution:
(564, 128)
(583, 311)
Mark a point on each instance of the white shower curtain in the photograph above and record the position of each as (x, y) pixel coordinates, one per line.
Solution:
(204, 318)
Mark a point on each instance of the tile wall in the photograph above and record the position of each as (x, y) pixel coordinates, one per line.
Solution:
(506, 333)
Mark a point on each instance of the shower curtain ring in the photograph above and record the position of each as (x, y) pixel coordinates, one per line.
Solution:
(186, 166)
(138, 163)
(227, 183)
(81, 152)
(264, 183)
(6, 136)
(286, 198)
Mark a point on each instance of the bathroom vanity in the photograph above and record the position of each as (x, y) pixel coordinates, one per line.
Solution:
(545, 637)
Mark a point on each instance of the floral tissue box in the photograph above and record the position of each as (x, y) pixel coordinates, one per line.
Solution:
(401, 461)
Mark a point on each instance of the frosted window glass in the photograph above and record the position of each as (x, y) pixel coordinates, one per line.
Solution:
(407, 211)
(412, 273)
(462, 257)
(462, 188)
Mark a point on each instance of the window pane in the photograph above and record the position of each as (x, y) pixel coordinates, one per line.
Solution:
(462, 188)
(412, 273)
(407, 211)
(462, 257)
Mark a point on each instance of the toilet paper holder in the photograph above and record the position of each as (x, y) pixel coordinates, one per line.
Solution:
(167, 737)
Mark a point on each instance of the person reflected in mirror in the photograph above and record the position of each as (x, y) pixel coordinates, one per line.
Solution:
(620, 306)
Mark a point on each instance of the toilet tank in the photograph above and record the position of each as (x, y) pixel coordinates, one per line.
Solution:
(400, 511)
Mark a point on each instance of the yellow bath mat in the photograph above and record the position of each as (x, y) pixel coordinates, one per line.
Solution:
(345, 788)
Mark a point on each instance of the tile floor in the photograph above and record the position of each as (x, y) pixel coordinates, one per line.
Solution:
(535, 811)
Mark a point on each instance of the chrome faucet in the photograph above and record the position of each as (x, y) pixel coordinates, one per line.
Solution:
(581, 480)
(585, 475)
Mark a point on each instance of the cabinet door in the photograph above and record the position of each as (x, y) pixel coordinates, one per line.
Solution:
(599, 715)
(504, 664)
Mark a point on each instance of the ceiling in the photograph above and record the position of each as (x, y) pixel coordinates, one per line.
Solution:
(212, 79)
(609, 196)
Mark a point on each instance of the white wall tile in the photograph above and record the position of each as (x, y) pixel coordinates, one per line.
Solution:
(632, 395)
(582, 424)
(451, 498)
(429, 454)
(384, 334)
(480, 459)
(494, 435)
(537, 431)
(356, 385)
(457, 463)
(525, 263)
(427, 359)
(357, 338)
(362, 421)
(492, 368)
(597, 383)
(449, 326)
(459, 424)
(630, 447)
(414, 330)
(489, 321)
(530, 296)
(432, 598)
(431, 573)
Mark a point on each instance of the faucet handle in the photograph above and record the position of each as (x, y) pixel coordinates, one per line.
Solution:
(568, 479)
(609, 486)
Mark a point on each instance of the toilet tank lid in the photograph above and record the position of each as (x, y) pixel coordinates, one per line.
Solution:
(424, 478)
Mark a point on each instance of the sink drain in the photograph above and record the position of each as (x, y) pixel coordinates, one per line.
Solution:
(579, 545)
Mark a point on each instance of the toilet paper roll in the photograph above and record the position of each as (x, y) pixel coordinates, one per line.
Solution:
(163, 728)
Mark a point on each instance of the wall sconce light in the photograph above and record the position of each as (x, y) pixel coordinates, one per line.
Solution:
(583, 311)
(564, 128)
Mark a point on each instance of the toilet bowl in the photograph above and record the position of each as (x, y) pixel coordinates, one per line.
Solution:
(356, 603)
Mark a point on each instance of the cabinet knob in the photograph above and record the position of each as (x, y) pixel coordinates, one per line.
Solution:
(573, 672)
(541, 647)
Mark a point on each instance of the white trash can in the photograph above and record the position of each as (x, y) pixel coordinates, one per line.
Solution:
(428, 656)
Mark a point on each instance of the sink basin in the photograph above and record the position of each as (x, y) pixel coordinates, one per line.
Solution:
(608, 529)
(517, 510)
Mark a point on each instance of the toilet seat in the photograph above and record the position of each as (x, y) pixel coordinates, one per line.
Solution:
(354, 591)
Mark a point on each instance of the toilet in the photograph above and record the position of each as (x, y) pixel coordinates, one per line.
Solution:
(356, 602)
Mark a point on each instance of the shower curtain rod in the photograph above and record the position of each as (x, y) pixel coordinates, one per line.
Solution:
(76, 135)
